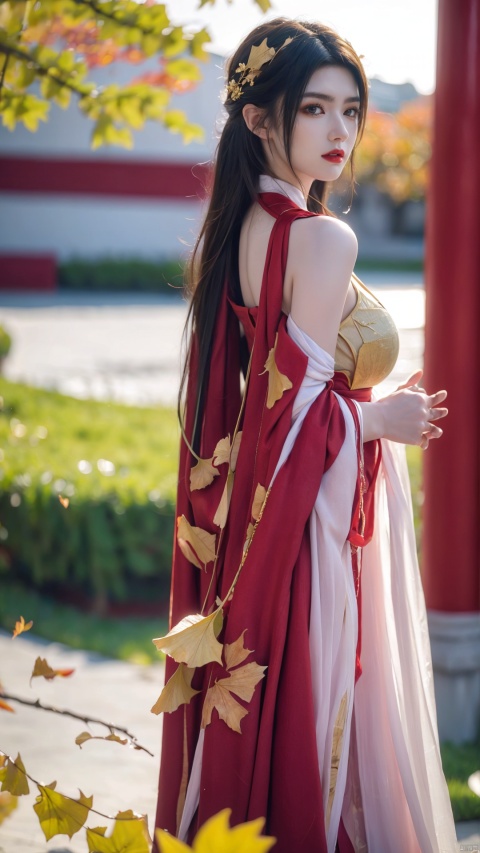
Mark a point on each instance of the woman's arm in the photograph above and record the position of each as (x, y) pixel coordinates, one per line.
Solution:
(405, 415)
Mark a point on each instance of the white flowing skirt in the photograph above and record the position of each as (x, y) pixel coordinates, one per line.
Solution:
(377, 741)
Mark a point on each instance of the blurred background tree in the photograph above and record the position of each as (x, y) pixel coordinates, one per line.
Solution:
(395, 150)
(57, 43)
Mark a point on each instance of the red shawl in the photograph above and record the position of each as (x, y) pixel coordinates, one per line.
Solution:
(270, 769)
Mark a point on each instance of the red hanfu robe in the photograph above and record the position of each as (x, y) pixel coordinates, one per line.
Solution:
(270, 769)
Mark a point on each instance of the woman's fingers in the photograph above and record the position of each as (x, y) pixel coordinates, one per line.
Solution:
(437, 413)
(412, 380)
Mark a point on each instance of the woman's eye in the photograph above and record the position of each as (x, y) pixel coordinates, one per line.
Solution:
(355, 112)
(313, 109)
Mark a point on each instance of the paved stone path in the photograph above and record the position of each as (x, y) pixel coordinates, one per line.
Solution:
(118, 777)
(127, 347)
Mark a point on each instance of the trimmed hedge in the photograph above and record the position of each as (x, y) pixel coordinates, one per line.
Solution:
(122, 275)
(116, 465)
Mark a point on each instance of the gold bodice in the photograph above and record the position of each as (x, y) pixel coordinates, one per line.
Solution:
(367, 343)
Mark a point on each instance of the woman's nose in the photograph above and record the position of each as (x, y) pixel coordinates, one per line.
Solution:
(338, 130)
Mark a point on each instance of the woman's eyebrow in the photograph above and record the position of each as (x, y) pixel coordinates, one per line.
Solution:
(330, 97)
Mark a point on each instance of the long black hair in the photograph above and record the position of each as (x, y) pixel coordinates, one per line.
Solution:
(239, 160)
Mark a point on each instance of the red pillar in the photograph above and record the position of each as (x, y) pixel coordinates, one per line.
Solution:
(451, 539)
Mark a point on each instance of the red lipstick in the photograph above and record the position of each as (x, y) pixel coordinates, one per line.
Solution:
(334, 156)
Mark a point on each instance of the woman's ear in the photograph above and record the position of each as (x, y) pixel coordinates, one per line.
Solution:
(254, 119)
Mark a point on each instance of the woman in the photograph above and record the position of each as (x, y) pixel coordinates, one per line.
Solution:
(299, 687)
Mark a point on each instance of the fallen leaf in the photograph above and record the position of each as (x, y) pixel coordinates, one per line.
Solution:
(84, 736)
(42, 668)
(197, 545)
(215, 836)
(235, 653)
(221, 454)
(194, 640)
(4, 706)
(20, 627)
(129, 835)
(13, 776)
(7, 804)
(202, 474)
(59, 814)
(177, 691)
(242, 682)
(258, 500)
(64, 501)
(221, 514)
(277, 382)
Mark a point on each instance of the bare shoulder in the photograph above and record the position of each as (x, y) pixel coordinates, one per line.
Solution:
(322, 233)
(321, 257)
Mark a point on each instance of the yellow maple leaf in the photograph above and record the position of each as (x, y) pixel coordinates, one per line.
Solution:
(59, 814)
(235, 653)
(259, 55)
(7, 804)
(194, 640)
(221, 513)
(42, 668)
(216, 836)
(13, 776)
(197, 545)
(242, 682)
(229, 710)
(129, 835)
(258, 500)
(202, 474)
(277, 382)
(20, 627)
(177, 691)
(84, 736)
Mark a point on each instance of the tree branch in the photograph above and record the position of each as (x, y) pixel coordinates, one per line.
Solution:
(35, 703)
(8, 50)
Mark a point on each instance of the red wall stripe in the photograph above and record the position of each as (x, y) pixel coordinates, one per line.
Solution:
(67, 176)
(28, 272)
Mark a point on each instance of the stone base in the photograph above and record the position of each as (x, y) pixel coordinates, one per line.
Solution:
(455, 642)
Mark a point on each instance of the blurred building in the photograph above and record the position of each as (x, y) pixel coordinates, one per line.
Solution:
(60, 199)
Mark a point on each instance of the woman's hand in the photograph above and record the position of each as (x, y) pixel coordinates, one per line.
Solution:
(407, 413)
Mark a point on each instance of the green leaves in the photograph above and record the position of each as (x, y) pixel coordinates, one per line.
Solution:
(92, 35)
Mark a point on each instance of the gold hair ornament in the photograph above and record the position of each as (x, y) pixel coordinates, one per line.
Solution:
(260, 54)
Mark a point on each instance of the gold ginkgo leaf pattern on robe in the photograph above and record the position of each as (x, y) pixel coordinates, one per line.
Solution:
(227, 452)
(277, 382)
(258, 499)
(338, 732)
(177, 691)
(202, 474)
(194, 640)
(196, 544)
(221, 514)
